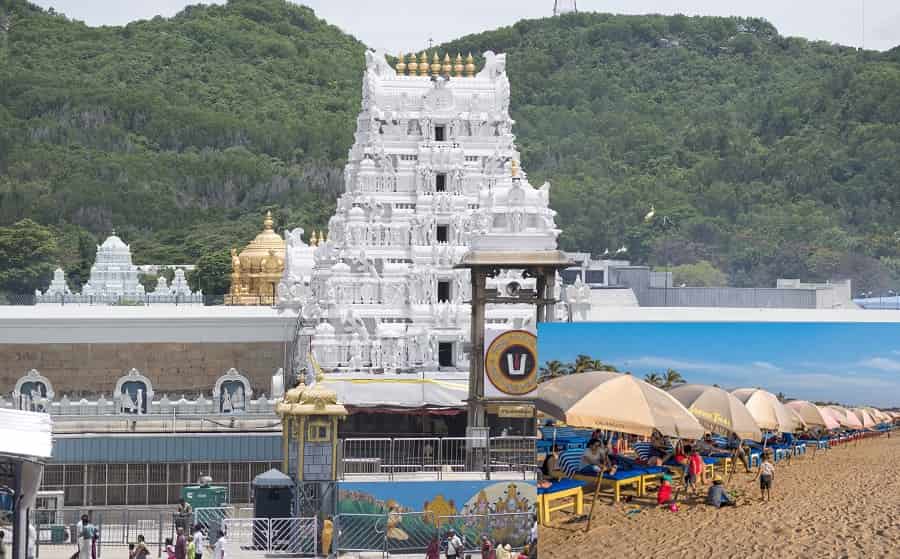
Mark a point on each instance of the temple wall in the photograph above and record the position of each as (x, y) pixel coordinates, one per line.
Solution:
(173, 368)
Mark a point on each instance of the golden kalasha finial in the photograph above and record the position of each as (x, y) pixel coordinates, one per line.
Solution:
(470, 66)
(458, 66)
(412, 66)
(447, 67)
(435, 65)
(514, 168)
(321, 236)
(313, 241)
(401, 64)
(423, 64)
(267, 223)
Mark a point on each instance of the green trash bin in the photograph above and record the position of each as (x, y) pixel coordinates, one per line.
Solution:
(205, 496)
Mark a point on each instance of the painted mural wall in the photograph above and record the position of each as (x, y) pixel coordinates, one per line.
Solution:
(407, 515)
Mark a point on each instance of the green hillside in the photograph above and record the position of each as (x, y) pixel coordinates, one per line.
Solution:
(774, 157)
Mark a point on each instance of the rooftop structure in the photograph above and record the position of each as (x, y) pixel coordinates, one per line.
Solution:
(597, 284)
(256, 271)
(115, 280)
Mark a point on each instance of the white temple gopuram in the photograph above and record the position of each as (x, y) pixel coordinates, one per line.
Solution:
(433, 166)
(114, 279)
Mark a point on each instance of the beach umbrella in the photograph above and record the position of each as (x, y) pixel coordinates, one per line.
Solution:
(813, 415)
(770, 414)
(864, 417)
(847, 418)
(717, 410)
(616, 402)
(835, 416)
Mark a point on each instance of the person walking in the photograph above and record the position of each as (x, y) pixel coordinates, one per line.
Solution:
(221, 542)
(199, 540)
(180, 544)
(454, 545)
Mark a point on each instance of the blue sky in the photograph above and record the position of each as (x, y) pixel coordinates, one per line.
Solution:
(853, 363)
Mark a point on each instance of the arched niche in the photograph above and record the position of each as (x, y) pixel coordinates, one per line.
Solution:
(33, 392)
(133, 393)
(232, 392)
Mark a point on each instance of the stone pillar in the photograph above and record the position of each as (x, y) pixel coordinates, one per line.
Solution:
(476, 411)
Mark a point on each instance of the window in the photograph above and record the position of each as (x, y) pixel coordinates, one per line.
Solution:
(569, 275)
(439, 133)
(442, 233)
(317, 432)
(445, 354)
(443, 293)
(440, 182)
(594, 276)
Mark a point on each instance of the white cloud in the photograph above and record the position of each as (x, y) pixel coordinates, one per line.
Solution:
(881, 363)
(736, 369)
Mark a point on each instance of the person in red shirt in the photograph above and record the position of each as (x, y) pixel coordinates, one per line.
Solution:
(664, 495)
(695, 469)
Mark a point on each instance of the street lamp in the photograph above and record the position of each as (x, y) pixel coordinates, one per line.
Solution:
(667, 224)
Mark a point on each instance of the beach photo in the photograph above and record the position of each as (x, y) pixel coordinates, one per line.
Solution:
(771, 438)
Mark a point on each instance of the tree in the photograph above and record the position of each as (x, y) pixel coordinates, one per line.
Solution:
(582, 363)
(552, 369)
(212, 274)
(654, 379)
(27, 257)
(671, 378)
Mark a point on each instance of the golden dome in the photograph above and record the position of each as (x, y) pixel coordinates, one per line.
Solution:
(447, 67)
(259, 249)
(458, 66)
(423, 64)
(435, 65)
(401, 64)
(470, 66)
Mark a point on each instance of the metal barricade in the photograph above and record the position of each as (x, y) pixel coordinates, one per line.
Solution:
(512, 453)
(261, 537)
(502, 528)
(357, 532)
(365, 456)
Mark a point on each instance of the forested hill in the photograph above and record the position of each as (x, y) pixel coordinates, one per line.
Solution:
(772, 156)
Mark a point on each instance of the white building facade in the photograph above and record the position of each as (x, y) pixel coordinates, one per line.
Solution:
(433, 166)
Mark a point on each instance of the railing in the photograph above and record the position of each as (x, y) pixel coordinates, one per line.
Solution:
(29, 299)
(261, 537)
(440, 457)
(412, 532)
(119, 527)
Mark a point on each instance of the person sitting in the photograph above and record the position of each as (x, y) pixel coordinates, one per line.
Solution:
(662, 449)
(664, 495)
(706, 445)
(550, 467)
(717, 496)
(595, 460)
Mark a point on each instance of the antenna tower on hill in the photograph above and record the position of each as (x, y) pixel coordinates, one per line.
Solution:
(564, 6)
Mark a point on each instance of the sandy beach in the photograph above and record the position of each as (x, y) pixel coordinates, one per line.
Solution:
(841, 503)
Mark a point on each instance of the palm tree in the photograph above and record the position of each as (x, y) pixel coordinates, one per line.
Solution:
(583, 363)
(552, 369)
(672, 378)
(654, 379)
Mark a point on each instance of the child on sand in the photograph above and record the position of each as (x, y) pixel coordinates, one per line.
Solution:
(766, 474)
(664, 495)
(717, 495)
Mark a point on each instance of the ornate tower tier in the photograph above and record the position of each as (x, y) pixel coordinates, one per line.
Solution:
(431, 148)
